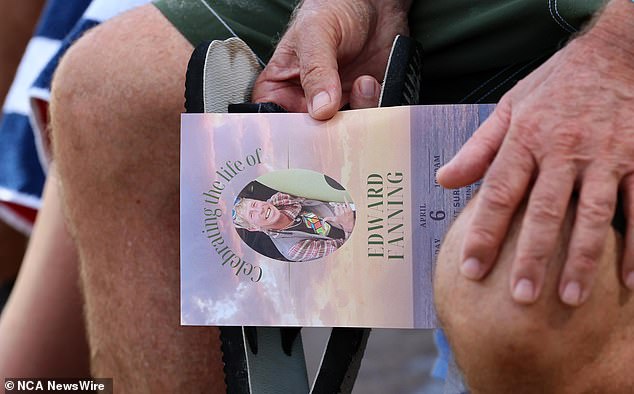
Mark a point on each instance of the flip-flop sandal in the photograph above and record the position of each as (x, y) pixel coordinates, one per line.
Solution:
(260, 360)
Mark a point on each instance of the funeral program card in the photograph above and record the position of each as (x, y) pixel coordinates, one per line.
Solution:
(287, 221)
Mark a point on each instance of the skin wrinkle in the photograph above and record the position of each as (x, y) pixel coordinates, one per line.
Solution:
(359, 13)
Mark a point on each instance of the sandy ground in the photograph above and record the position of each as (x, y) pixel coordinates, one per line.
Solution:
(396, 361)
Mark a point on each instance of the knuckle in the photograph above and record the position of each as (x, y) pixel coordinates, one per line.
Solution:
(488, 144)
(498, 196)
(585, 262)
(480, 237)
(543, 210)
(313, 74)
(527, 127)
(312, 71)
(569, 138)
(503, 110)
(597, 211)
(531, 261)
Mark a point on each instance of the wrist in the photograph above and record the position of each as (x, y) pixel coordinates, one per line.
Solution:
(392, 7)
(614, 26)
(401, 5)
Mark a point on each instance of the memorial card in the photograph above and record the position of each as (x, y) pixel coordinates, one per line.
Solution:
(287, 221)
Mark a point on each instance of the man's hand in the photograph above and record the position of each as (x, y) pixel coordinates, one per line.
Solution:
(344, 217)
(568, 126)
(334, 52)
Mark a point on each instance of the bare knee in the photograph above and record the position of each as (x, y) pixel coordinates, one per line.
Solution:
(116, 101)
(115, 110)
(114, 92)
(502, 345)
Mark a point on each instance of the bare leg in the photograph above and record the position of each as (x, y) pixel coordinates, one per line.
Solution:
(547, 347)
(17, 21)
(42, 328)
(116, 101)
(12, 245)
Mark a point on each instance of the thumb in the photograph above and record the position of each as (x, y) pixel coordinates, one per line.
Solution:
(319, 73)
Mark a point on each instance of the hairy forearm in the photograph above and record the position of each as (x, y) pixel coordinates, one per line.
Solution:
(614, 25)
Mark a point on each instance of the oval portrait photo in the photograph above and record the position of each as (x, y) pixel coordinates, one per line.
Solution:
(294, 215)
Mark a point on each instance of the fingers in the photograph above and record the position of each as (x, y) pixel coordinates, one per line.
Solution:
(473, 159)
(365, 93)
(592, 222)
(303, 71)
(347, 203)
(627, 187)
(279, 81)
(540, 231)
(342, 209)
(504, 187)
(328, 45)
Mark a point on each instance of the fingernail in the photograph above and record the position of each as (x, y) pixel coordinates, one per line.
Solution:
(524, 291)
(471, 268)
(439, 171)
(320, 100)
(367, 87)
(629, 281)
(442, 169)
(572, 294)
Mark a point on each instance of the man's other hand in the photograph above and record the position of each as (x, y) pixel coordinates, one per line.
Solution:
(569, 126)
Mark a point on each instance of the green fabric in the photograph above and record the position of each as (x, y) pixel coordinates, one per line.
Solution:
(474, 50)
(477, 50)
(258, 23)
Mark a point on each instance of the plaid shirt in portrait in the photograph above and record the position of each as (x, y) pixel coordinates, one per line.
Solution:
(308, 249)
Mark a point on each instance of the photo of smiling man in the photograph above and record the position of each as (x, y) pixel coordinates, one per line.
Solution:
(299, 228)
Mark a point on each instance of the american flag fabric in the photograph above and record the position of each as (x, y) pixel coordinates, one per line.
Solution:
(23, 141)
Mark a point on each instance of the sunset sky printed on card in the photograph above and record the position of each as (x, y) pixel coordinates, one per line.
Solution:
(353, 286)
